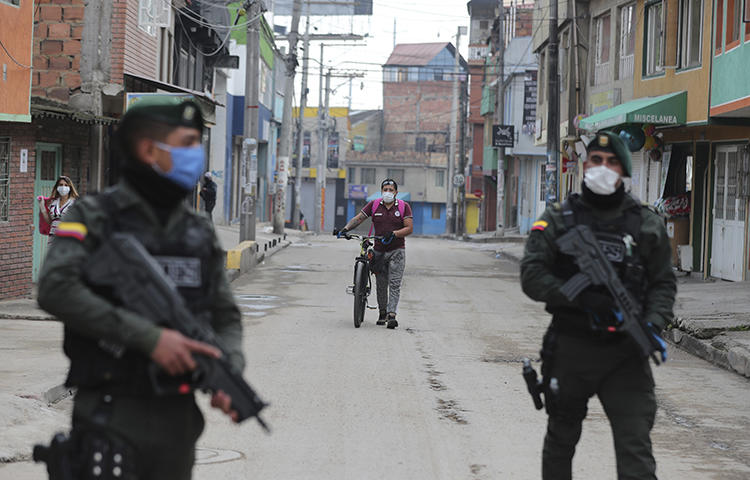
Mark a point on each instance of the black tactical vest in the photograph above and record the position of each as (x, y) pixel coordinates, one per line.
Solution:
(185, 258)
(618, 238)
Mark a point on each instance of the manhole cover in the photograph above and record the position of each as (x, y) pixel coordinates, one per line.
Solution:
(205, 456)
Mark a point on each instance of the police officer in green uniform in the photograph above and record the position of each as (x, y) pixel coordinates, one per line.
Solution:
(162, 159)
(583, 349)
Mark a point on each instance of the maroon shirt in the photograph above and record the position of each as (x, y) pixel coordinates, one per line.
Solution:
(387, 220)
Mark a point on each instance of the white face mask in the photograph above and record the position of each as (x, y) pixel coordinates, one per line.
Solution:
(63, 190)
(388, 197)
(601, 180)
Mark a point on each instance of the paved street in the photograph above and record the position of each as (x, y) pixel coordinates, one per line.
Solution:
(442, 396)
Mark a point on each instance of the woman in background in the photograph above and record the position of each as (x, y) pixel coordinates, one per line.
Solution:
(64, 194)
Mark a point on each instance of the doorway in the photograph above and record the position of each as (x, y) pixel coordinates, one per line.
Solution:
(48, 169)
(728, 242)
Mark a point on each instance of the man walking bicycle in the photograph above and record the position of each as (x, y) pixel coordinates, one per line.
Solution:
(393, 221)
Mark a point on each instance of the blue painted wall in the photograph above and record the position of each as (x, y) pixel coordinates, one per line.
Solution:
(424, 224)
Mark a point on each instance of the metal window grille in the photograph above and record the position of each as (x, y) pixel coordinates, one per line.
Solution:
(4, 179)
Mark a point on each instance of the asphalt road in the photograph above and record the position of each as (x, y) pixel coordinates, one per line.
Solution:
(441, 397)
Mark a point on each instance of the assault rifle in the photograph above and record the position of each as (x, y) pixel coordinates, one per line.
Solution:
(140, 283)
(595, 269)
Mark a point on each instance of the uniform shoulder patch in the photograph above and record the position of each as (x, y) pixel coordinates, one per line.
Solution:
(539, 225)
(71, 229)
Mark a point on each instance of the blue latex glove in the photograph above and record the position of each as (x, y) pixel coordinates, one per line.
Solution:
(660, 341)
(342, 233)
(388, 238)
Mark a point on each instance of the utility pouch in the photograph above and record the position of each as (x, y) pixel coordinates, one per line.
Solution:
(88, 454)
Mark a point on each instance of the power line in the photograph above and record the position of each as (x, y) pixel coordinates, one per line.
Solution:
(11, 56)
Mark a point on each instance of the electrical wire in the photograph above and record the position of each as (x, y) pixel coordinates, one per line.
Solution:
(13, 58)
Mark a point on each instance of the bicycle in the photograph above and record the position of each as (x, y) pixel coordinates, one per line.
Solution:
(362, 279)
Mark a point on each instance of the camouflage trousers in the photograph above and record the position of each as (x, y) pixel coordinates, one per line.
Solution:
(388, 282)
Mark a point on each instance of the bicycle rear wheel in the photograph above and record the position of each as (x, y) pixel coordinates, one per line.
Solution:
(360, 293)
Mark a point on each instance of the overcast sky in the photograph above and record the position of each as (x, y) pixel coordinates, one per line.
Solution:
(419, 21)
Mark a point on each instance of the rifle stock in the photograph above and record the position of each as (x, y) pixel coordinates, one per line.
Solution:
(140, 283)
(581, 243)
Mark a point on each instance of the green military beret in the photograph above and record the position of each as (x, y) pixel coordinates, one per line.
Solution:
(607, 141)
(167, 109)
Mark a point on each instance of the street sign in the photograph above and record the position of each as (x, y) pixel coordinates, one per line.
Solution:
(503, 135)
(458, 180)
(478, 193)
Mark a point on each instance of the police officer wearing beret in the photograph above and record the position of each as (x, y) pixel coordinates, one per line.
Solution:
(583, 350)
(159, 141)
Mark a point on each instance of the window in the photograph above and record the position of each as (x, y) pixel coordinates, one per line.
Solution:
(352, 177)
(153, 14)
(12, 2)
(438, 75)
(306, 150)
(368, 176)
(689, 38)
(734, 20)
(436, 208)
(601, 54)
(420, 145)
(390, 74)
(719, 24)
(439, 178)
(396, 174)
(484, 24)
(654, 38)
(333, 150)
(4, 179)
(403, 74)
(627, 41)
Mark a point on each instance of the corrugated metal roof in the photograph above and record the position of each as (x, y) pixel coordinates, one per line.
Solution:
(415, 54)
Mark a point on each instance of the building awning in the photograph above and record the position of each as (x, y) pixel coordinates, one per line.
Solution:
(405, 196)
(45, 108)
(669, 109)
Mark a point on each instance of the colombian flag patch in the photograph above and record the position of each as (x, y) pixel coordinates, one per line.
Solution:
(539, 225)
(71, 229)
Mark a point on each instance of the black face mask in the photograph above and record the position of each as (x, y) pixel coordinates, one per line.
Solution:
(603, 201)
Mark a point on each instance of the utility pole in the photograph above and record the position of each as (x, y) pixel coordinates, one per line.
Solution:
(449, 211)
(254, 9)
(320, 177)
(285, 148)
(553, 109)
(301, 124)
(461, 203)
(500, 116)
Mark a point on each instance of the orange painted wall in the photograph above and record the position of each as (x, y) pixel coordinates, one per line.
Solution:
(695, 81)
(16, 27)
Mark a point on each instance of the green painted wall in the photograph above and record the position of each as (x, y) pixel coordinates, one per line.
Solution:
(730, 76)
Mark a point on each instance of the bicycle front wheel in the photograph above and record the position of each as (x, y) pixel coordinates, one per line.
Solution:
(360, 293)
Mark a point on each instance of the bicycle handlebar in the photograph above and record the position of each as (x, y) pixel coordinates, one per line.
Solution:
(356, 236)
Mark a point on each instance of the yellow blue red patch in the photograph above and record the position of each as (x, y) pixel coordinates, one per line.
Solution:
(71, 229)
(539, 225)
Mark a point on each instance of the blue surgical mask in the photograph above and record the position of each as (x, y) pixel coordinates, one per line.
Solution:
(187, 164)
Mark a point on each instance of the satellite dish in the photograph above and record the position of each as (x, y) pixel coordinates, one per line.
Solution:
(633, 137)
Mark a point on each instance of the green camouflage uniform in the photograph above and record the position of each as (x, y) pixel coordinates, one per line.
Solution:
(163, 429)
(587, 362)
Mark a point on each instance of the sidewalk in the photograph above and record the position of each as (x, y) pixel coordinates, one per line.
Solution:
(712, 318)
(35, 404)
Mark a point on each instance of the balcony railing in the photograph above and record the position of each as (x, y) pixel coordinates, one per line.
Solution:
(602, 73)
(626, 66)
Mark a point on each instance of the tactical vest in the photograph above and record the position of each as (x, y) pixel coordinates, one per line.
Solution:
(186, 259)
(619, 239)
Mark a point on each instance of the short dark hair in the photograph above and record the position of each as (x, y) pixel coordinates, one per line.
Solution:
(389, 181)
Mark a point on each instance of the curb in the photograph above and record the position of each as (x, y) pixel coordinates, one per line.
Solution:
(243, 258)
(722, 354)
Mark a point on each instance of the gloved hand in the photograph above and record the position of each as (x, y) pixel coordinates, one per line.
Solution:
(388, 237)
(601, 306)
(341, 233)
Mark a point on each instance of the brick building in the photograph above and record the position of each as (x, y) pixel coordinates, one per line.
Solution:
(417, 94)
(84, 59)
